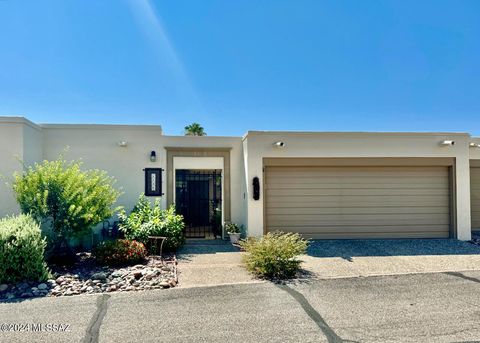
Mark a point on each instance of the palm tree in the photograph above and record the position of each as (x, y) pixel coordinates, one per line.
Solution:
(194, 129)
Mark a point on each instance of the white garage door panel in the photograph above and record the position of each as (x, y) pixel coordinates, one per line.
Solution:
(358, 202)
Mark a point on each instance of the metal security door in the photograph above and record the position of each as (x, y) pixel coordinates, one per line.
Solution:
(198, 198)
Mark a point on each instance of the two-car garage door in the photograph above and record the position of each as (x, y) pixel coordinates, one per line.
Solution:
(358, 202)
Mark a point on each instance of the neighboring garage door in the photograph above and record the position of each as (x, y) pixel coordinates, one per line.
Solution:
(475, 197)
(358, 202)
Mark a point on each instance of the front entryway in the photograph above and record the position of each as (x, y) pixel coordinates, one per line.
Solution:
(198, 197)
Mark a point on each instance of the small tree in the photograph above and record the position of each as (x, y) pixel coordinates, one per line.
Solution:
(59, 193)
(195, 129)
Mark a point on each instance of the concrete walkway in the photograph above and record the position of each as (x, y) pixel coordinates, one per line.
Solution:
(360, 258)
(207, 263)
(211, 262)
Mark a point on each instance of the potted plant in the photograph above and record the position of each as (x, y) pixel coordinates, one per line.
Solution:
(233, 231)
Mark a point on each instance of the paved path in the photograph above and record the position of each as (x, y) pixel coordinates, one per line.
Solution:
(406, 308)
(207, 263)
(359, 258)
(203, 263)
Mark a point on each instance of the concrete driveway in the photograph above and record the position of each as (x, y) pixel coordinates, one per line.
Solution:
(207, 263)
(358, 258)
(435, 307)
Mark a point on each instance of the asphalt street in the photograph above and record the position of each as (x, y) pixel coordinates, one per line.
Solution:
(441, 307)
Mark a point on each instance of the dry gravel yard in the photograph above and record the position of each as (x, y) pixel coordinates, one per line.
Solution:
(87, 277)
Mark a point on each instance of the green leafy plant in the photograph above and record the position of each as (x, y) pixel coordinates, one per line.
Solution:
(22, 250)
(274, 255)
(119, 252)
(150, 220)
(60, 193)
(232, 228)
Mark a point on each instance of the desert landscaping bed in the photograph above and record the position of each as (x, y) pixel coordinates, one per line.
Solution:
(85, 276)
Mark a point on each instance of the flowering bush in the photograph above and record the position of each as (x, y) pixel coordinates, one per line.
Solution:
(120, 251)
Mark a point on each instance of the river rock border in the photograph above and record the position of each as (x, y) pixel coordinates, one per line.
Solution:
(155, 274)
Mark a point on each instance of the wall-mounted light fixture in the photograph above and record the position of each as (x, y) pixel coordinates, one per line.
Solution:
(447, 143)
(256, 188)
(122, 144)
(153, 156)
(279, 144)
(474, 145)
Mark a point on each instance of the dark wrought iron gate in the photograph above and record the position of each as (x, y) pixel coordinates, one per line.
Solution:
(198, 197)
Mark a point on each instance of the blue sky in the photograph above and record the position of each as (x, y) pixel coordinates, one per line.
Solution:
(235, 66)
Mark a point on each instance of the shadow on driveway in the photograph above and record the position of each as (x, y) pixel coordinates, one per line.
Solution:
(195, 247)
(347, 249)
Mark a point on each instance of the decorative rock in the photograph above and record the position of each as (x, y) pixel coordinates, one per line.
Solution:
(23, 285)
(89, 279)
(164, 284)
(149, 275)
(99, 276)
(112, 288)
(116, 274)
(42, 286)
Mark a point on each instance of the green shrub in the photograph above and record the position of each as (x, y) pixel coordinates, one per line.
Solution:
(22, 250)
(72, 200)
(232, 228)
(274, 255)
(119, 252)
(147, 220)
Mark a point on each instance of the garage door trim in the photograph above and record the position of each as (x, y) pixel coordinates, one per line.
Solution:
(358, 161)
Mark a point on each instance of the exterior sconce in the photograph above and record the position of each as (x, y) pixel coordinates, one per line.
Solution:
(153, 156)
(474, 145)
(447, 143)
(122, 144)
(279, 144)
(256, 188)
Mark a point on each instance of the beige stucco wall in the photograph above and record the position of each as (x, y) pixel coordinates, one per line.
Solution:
(11, 151)
(474, 151)
(97, 146)
(341, 144)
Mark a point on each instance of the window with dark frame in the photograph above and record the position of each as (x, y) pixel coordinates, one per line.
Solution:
(153, 182)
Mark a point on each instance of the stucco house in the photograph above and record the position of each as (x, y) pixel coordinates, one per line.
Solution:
(321, 184)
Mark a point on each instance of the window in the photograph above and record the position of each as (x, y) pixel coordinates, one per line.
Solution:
(153, 182)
